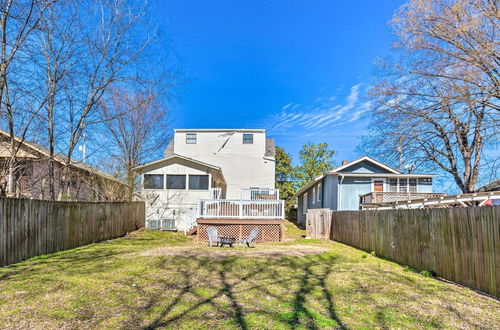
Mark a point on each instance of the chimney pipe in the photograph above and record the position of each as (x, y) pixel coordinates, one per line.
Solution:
(344, 162)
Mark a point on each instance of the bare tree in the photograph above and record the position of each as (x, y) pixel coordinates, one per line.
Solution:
(89, 46)
(138, 126)
(18, 21)
(436, 105)
(59, 61)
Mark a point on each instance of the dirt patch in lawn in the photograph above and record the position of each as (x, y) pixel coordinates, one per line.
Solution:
(258, 252)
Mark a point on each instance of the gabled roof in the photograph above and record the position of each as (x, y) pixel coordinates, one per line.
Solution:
(57, 157)
(365, 158)
(338, 171)
(140, 169)
(309, 185)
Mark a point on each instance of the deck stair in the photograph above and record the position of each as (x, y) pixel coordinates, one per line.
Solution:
(192, 231)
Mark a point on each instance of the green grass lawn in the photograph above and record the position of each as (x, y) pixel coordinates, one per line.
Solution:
(124, 283)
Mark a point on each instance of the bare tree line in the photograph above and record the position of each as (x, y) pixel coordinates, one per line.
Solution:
(66, 66)
(436, 104)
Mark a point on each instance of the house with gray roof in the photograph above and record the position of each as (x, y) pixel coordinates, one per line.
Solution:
(364, 181)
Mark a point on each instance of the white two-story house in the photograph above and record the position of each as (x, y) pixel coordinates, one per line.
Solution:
(205, 164)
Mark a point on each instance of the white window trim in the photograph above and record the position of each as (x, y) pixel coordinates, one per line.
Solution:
(243, 138)
(407, 185)
(314, 194)
(319, 193)
(195, 138)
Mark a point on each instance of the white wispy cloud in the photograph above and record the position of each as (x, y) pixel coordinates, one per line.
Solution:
(321, 115)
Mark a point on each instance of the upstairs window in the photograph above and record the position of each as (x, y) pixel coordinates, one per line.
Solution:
(153, 181)
(425, 181)
(318, 198)
(247, 138)
(198, 182)
(176, 181)
(191, 138)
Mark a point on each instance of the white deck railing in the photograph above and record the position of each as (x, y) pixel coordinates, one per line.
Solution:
(259, 194)
(241, 209)
(387, 197)
(215, 193)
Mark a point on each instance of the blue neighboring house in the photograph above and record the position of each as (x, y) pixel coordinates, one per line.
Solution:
(362, 181)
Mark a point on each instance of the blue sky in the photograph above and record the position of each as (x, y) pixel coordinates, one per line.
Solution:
(297, 68)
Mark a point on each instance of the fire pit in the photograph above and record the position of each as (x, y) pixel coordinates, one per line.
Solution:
(227, 241)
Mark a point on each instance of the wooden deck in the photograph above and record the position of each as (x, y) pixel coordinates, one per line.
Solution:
(269, 230)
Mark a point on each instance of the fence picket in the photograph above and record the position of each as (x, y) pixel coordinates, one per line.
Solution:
(459, 244)
(31, 227)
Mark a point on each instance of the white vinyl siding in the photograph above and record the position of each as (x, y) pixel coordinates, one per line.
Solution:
(243, 165)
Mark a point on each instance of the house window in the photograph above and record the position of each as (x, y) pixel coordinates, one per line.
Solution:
(304, 204)
(425, 181)
(191, 138)
(412, 185)
(153, 181)
(198, 182)
(393, 185)
(318, 198)
(403, 185)
(247, 138)
(176, 181)
(314, 195)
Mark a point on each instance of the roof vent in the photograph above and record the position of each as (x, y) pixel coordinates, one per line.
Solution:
(344, 162)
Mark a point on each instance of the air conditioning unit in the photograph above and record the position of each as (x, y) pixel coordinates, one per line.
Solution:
(168, 224)
(153, 224)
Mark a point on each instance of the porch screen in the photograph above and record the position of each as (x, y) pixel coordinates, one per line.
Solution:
(393, 185)
(176, 182)
(403, 185)
(153, 181)
(413, 185)
(198, 182)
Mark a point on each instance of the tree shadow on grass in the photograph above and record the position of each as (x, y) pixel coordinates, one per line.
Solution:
(255, 283)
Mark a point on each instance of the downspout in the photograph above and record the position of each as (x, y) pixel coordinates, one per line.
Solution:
(323, 191)
(339, 197)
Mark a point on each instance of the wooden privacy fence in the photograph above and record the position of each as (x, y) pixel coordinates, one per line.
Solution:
(30, 228)
(458, 244)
